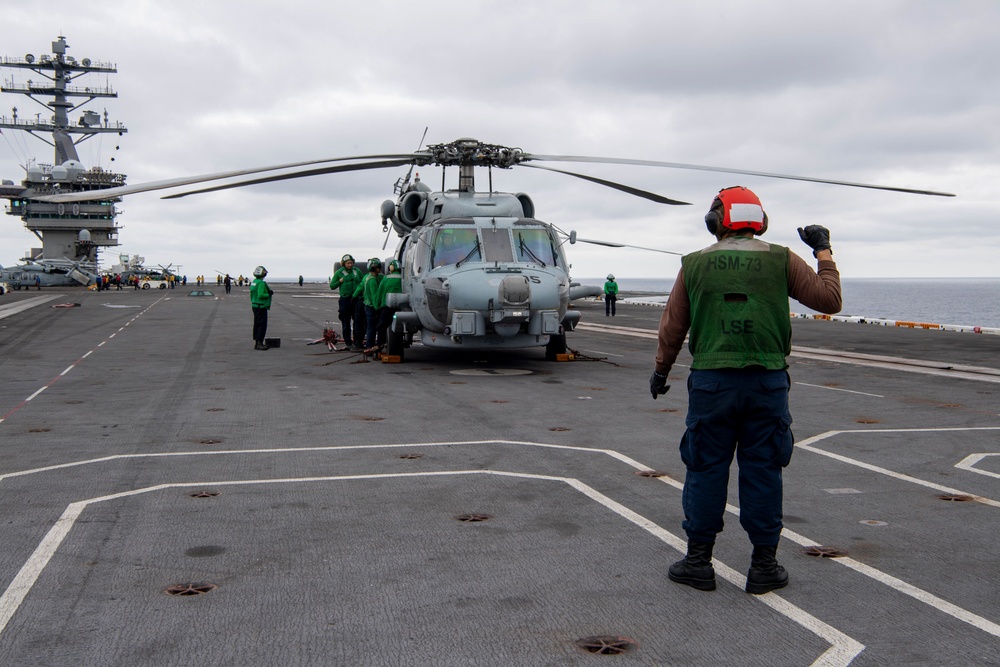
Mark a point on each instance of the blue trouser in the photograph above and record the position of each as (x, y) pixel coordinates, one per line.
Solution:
(384, 320)
(742, 412)
(359, 321)
(345, 312)
(371, 318)
(609, 304)
(259, 323)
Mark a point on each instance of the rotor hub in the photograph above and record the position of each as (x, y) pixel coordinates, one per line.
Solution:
(471, 153)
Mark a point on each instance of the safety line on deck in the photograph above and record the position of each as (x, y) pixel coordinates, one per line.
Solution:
(75, 363)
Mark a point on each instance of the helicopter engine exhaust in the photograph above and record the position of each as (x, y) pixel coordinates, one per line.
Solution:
(412, 207)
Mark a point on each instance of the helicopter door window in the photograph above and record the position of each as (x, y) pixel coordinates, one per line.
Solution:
(534, 246)
(452, 246)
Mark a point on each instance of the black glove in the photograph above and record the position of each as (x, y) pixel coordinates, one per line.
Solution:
(658, 384)
(816, 237)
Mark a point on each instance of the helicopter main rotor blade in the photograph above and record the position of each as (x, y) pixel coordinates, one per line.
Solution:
(109, 193)
(727, 170)
(297, 174)
(614, 244)
(652, 196)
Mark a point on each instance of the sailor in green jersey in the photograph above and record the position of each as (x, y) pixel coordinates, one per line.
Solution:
(610, 296)
(392, 283)
(349, 310)
(367, 291)
(733, 298)
(260, 303)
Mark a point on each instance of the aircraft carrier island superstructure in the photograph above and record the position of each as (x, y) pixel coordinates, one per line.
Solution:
(73, 232)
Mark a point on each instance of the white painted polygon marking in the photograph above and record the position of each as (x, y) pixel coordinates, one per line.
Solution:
(843, 651)
(970, 461)
(807, 445)
(795, 537)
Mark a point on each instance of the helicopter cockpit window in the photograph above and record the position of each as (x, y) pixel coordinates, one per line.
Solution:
(452, 246)
(496, 245)
(535, 246)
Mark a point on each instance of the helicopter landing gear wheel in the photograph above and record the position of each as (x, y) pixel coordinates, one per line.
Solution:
(555, 347)
(395, 342)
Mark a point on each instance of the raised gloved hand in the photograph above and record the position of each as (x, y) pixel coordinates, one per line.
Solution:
(816, 237)
(658, 384)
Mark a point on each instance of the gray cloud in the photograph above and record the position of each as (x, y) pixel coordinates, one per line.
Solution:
(902, 93)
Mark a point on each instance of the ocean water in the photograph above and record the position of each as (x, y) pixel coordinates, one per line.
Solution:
(965, 301)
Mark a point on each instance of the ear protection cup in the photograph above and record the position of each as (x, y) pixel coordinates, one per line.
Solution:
(714, 216)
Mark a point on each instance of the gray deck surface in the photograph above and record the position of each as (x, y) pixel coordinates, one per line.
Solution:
(333, 487)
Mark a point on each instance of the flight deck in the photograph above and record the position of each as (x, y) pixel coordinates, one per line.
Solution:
(169, 495)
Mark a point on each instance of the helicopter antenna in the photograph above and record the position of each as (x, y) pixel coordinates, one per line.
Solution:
(400, 186)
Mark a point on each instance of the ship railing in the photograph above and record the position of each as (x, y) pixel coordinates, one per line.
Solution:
(44, 60)
(44, 87)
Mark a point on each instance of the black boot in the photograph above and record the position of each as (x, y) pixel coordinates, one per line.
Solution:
(765, 574)
(695, 569)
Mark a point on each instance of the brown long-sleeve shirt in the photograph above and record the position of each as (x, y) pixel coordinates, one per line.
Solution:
(819, 290)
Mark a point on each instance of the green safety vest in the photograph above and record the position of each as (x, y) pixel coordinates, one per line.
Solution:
(738, 289)
(351, 279)
(391, 284)
(260, 294)
(368, 289)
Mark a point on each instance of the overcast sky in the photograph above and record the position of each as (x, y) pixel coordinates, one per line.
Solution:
(902, 93)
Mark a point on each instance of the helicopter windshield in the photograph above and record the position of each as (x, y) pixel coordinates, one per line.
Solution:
(452, 246)
(534, 245)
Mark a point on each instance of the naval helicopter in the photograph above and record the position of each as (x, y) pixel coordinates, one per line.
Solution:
(479, 270)
(48, 273)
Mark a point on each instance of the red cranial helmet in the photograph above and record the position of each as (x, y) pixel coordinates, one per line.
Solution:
(736, 208)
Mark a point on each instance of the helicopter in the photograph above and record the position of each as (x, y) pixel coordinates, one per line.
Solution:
(49, 273)
(479, 270)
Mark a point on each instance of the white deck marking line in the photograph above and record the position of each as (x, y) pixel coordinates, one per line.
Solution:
(807, 445)
(621, 331)
(74, 364)
(980, 374)
(819, 386)
(732, 509)
(16, 307)
(969, 462)
(941, 372)
(36, 393)
(843, 650)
